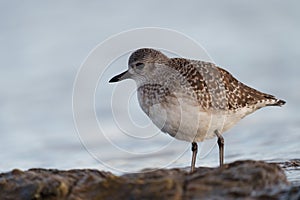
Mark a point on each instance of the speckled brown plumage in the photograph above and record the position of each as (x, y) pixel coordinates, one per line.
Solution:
(152, 94)
(213, 87)
(216, 88)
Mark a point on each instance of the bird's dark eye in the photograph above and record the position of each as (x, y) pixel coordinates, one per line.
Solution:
(139, 65)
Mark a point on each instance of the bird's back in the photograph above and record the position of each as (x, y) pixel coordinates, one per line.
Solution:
(190, 99)
(216, 89)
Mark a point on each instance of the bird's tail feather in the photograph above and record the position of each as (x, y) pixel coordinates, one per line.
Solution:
(278, 102)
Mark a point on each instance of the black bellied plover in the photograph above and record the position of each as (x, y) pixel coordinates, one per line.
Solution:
(191, 100)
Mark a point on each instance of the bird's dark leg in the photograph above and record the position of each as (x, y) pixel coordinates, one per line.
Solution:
(221, 147)
(194, 150)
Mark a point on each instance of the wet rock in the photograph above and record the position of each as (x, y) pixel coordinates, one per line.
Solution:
(238, 180)
(294, 163)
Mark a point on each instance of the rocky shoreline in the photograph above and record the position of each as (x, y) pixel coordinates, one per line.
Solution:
(238, 180)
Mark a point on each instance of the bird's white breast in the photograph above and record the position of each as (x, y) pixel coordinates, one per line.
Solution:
(185, 120)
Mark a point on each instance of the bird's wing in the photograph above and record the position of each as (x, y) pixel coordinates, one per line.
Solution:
(241, 95)
(216, 88)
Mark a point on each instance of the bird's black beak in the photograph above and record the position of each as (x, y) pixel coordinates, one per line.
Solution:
(120, 77)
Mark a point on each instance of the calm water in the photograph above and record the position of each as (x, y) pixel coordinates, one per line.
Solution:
(44, 44)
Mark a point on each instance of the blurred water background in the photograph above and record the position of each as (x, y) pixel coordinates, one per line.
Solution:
(43, 44)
